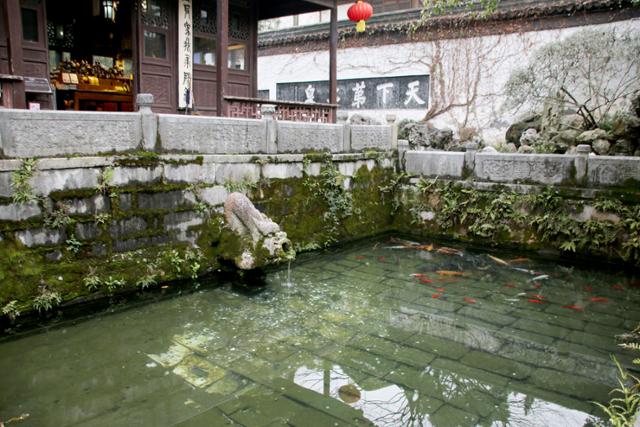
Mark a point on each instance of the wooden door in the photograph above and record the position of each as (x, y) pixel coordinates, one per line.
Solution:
(34, 39)
(204, 55)
(156, 52)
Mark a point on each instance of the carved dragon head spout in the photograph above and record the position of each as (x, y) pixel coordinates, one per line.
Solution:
(262, 241)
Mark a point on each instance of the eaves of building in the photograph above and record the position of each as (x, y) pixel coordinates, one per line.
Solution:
(403, 26)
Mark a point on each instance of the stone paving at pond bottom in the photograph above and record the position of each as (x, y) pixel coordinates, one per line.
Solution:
(367, 335)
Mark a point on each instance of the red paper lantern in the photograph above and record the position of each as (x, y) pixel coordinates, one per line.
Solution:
(360, 12)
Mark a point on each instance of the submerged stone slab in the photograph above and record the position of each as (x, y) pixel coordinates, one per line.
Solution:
(19, 211)
(534, 168)
(56, 133)
(300, 137)
(613, 170)
(435, 163)
(370, 137)
(212, 135)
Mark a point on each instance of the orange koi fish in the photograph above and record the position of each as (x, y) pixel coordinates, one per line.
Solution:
(440, 289)
(359, 257)
(538, 296)
(418, 275)
(449, 251)
(510, 285)
(588, 289)
(498, 260)
(536, 301)
(518, 261)
(599, 299)
(470, 300)
(381, 258)
(449, 273)
(436, 296)
(425, 281)
(573, 307)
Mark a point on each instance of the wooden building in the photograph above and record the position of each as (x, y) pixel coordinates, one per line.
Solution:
(192, 55)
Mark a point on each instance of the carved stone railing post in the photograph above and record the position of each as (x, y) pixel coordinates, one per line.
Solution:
(144, 101)
(341, 119)
(582, 163)
(268, 113)
(471, 148)
(391, 121)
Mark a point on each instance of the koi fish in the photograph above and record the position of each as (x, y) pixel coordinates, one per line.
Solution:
(518, 260)
(449, 251)
(537, 286)
(538, 296)
(436, 296)
(523, 270)
(449, 273)
(427, 248)
(511, 299)
(498, 260)
(440, 289)
(469, 300)
(573, 307)
(588, 289)
(510, 285)
(418, 275)
(359, 257)
(541, 277)
(425, 281)
(381, 258)
(599, 299)
(536, 301)
(618, 287)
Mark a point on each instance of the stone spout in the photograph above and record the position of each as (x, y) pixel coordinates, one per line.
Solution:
(261, 241)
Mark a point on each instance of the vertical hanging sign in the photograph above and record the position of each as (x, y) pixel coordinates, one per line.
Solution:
(185, 54)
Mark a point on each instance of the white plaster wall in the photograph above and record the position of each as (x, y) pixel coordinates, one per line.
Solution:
(473, 73)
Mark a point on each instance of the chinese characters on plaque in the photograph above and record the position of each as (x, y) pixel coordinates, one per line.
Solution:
(405, 92)
(185, 54)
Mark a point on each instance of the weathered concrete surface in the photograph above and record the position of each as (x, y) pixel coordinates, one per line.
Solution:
(435, 163)
(58, 133)
(537, 168)
(295, 137)
(212, 135)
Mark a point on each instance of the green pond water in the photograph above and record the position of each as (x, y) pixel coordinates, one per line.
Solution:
(366, 335)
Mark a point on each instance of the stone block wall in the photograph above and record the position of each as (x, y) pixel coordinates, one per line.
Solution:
(121, 219)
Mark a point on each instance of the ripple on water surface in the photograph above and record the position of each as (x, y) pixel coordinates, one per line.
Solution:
(368, 335)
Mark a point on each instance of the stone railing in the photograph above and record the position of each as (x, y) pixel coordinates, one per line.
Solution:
(26, 133)
(252, 108)
(543, 169)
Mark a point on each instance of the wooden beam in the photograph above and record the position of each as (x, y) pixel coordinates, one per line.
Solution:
(329, 4)
(333, 57)
(222, 55)
(13, 21)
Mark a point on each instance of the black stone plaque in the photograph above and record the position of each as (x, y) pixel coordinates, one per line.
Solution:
(381, 93)
(37, 85)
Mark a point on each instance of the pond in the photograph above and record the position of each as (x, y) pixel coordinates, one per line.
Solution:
(370, 334)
